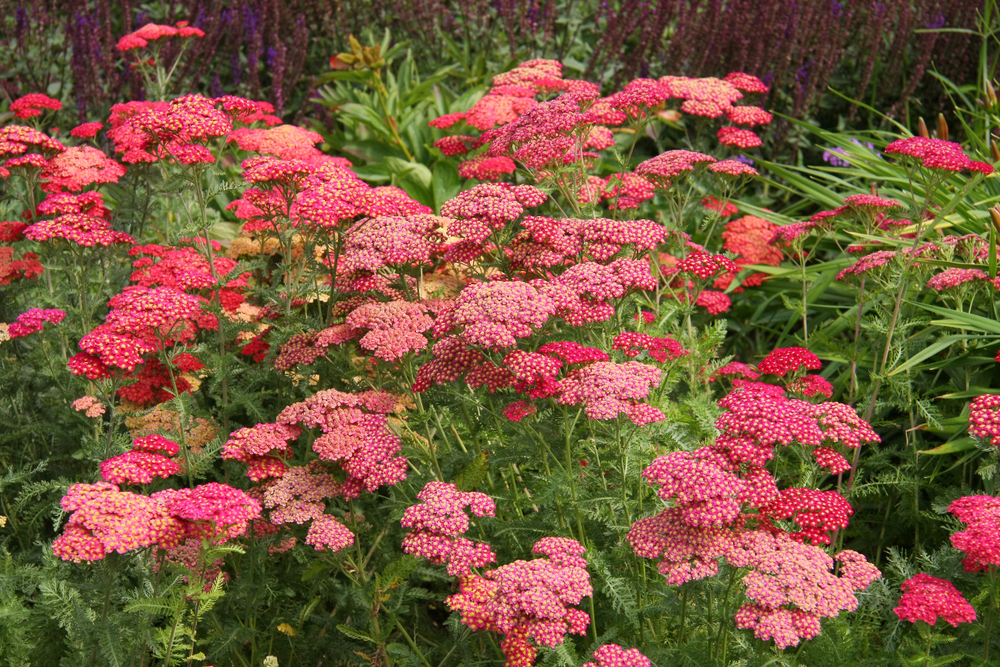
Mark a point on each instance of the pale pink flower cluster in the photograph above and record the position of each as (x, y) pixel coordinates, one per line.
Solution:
(529, 600)
(355, 434)
(297, 496)
(262, 448)
(606, 389)
(495, 315)
(791, 586)
(484, 209)
(663, 169)
(581, 294)
(391, 330)
(437, 525)
(391, 241)
(704, 492)
(90, 406)
(549, 242)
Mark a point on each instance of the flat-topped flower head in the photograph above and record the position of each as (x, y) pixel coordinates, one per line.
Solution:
(737, 137)
(391, 330)
(811, 386)
(746, 82)
(925, 598)
(261, 448)
(105, 519)
(703, 491)
(708, 97)
(640, 96)
(487, 168)
(355, 435)
(816, 512)
(747, 115)
(141, 38)
(785, 360)
(77, 167)
(215, 511)
(437, 524)
(17, 139)
(791, 586)
(529, 600)
(686, 552)
(732, 169)
(613, 655)
(326, 533)
(606, 389)
(954, 277)
(704, 266)
(662, 349)
(138, 467)
(984, 418)
(495, 315)
(871, 202)
(787, 235)
(663, 169)
(486, 208)
(34, 104)
(936, 154)
(33, 321)
(980, 541)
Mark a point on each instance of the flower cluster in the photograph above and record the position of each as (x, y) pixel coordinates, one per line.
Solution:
(436, 526)
(529, 600)
(980, 541)
(984, 418)
(33, 321)
(143, 462)
(355, 435)
(936, 154)
(151, 31)
(925, 598)
(791, 587)
(613, 655)
(105, 519)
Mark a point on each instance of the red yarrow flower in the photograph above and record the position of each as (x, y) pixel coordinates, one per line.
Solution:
(786, 360)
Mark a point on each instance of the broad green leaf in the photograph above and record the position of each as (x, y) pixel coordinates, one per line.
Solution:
(960, 445)
(447, 182)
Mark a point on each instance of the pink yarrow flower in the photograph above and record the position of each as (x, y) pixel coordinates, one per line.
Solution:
(925, 598)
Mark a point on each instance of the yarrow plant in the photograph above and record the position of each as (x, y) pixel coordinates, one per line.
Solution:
(319, 409)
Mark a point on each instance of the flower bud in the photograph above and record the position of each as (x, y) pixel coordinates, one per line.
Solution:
(995, 216)
(994, 151)
(991, 94)
(922, 129)
(942, 128)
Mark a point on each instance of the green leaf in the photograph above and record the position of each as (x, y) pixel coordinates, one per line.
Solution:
(316, 568)
(356, 634)
(926, 353)
(414, 171)
(955, 446)
(959, 320)
(447, 183)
